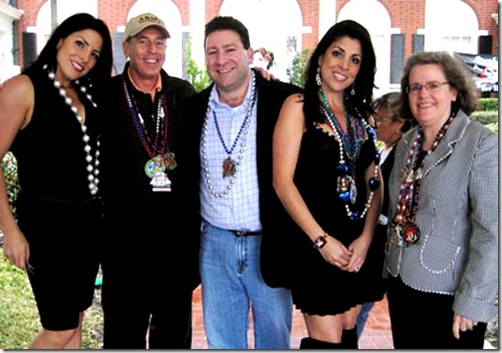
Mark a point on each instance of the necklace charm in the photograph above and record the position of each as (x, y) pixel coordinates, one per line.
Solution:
(353, 193)
(350, 144)
(411, 233)
(161, 182)
(156, 146)
(154, 165)
(346, 188)
(403, 224)
(229, 167)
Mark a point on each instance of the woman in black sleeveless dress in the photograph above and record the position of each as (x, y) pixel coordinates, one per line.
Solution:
(48, 121)
(327, 176)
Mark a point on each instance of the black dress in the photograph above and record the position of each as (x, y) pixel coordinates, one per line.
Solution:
(318, 287)
(56, 212)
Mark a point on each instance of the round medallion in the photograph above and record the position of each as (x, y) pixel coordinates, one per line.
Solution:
(411, 233)
(154, 165)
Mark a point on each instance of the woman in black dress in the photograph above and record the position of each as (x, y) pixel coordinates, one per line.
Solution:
(48, 120)
(327, 176)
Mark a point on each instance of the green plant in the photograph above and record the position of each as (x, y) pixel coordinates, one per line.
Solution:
(485, 117)
(19, 320)
(9, 166)
(198, 77)
(493, 127)
(298, 67)
(18, 311)
(488, 104)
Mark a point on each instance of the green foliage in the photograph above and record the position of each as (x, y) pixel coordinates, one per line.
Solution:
(18, 311)
(198, 77)
(300, 62)
(19, 320)
(9, 165)
(485, 117)
(488, 104)
(493, 127)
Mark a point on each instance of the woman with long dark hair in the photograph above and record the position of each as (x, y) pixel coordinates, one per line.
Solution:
(326, 174)
(48, 120)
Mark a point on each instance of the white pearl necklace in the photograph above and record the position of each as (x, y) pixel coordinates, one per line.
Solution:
(93, 170)
(240, 155)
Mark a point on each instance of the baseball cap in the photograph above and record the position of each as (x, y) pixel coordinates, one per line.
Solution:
(140, 22)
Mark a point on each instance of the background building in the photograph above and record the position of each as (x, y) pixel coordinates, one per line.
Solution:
(284, 27)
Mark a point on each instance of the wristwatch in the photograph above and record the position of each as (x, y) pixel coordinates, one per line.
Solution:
(320, 241)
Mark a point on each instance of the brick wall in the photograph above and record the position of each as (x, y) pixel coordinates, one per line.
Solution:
(408, 15)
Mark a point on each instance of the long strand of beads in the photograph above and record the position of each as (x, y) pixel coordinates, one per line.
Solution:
(83, 89)
(157, 145)
(343, 169)
(411, 175)
(354, 138)
(93, 170)
(240, 155)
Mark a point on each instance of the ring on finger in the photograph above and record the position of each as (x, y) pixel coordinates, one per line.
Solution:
(356, 269)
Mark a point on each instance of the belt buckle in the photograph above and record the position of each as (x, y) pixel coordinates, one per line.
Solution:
(245, 233)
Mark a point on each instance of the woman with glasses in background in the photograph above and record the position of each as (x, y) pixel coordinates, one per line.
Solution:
(442, 244)
(389, 128)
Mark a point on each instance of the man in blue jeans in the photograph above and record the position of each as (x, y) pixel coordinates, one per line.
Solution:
(225, 162)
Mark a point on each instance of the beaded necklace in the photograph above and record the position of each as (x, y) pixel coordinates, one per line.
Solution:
(355, 136)
(406, 232)
(230, 167)
(346, 185)
(156, 148)
(92, 169)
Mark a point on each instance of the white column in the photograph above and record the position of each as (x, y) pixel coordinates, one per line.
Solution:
(196, 30)
(327, 16)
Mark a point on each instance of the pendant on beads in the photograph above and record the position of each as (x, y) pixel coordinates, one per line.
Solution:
(161, 182)
(411, 233)
(346, 188)
(229, 167)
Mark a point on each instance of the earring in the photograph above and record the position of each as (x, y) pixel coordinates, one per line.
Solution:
(353, 91)
(318, 78)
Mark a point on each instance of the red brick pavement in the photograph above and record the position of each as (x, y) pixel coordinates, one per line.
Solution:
(376, 335)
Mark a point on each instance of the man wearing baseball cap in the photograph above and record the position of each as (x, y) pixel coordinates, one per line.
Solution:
(137, 24)
(150, 264)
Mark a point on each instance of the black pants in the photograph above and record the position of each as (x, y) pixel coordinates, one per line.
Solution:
(423, 320)
(141, 297)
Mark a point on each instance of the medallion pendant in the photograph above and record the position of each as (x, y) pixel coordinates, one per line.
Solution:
(405, 230)
(161, 159)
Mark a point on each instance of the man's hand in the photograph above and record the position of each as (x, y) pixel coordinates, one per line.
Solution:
(265, 74)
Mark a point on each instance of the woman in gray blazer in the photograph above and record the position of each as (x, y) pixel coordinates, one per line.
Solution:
(442, 246)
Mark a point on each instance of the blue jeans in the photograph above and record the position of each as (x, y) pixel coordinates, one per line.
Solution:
(363, 317)
(231, 285)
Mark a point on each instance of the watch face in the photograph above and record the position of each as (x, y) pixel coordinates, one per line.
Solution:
(320, 242)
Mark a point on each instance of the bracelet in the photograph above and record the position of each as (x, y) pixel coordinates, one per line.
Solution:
(320, 241)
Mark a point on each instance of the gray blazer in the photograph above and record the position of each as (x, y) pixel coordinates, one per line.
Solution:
(458, 218)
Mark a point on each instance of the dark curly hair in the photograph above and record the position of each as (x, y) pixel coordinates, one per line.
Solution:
(220, 23)
(365, 79)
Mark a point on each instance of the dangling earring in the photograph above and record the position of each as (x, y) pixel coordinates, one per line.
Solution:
(318, 79)
(353, 91)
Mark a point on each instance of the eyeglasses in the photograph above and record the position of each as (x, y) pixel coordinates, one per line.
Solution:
(429, 87)
(379, 120)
